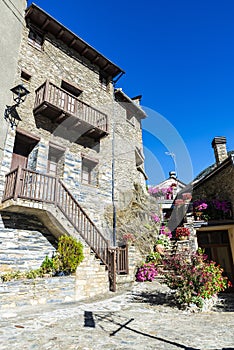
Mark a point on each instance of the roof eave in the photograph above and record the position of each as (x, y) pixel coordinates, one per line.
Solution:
(44, 21)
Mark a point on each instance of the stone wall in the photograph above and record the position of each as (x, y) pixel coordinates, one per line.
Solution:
(220, 186)
(24, 242)
(57, 62)
(38, 291)
(91, 279)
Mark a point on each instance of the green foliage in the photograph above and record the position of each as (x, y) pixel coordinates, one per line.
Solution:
(49, 265)
(31, 274)
(11, 275)
(164, 240)
(68, 256)
(154, 257)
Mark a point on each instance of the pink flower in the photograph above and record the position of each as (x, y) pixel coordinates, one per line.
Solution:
(155, 217)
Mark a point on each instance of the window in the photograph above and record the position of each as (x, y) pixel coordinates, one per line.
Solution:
(104, 81)
(89, 172)
(35, 38)
(25, 75)
(74, 90)
(71, 101)
(55, 161)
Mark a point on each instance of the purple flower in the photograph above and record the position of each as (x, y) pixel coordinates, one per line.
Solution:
(155, 217)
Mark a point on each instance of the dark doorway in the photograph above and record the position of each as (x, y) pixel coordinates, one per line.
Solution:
(24, 144)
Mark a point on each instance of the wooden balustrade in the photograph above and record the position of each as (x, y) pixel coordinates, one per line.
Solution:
(10, 184)
(28, 184)
(67, 104)
(31, 185)
(122, 260)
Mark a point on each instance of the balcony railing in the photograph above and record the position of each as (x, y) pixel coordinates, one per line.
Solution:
(58, 105)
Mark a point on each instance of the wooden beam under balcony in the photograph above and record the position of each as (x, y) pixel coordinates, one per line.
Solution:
(59, 106)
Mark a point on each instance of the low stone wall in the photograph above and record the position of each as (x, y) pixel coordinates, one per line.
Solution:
(37, 291)
(91, 279)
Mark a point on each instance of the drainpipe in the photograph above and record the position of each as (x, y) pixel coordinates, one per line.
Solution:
(113, 181)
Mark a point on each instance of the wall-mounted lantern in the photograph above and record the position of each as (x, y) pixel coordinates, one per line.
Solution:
(19, 95)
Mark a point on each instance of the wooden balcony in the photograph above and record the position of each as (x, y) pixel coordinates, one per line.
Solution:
(61, 106)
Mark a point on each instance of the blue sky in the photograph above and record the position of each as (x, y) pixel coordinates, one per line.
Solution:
(179, 55)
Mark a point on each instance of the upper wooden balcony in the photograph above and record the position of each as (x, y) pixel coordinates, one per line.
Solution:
(59, 105)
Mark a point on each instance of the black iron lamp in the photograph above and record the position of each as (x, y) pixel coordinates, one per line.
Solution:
(12, 115)
(19, 95)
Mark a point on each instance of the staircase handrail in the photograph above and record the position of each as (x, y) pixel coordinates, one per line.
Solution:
(29, 184)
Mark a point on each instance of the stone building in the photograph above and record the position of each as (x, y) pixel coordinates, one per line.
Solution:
(165, 193)
(77, 150)
(215, 188)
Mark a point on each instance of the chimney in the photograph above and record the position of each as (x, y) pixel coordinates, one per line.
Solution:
(137, 99)
(172, 174)
(220, 149)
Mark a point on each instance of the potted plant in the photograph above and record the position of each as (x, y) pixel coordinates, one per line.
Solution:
(162, 243)
(199, 207)
(182, 233)
(128, 238)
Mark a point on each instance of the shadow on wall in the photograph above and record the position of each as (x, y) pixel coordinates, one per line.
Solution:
(18, 221)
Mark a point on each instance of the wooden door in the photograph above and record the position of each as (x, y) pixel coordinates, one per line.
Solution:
(22, 148)
(52, 166)
(217, 247)
(18, 160)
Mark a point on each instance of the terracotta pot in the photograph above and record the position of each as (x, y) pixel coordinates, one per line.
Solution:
(160, 248)
(183, 238)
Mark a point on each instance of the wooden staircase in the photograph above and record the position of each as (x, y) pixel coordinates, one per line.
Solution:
(40, 189)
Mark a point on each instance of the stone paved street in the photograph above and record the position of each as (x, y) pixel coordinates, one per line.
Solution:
(143, 318)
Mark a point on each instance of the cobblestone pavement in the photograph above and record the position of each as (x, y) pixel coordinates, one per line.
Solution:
(143, 318)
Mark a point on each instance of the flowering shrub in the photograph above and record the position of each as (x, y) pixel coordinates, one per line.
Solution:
(162, 191)
(147, 272)
(221, 205)
(200, 205)
(182, 232)
(164, 230)
(195, 278)
(213, 209)
(128, 237)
